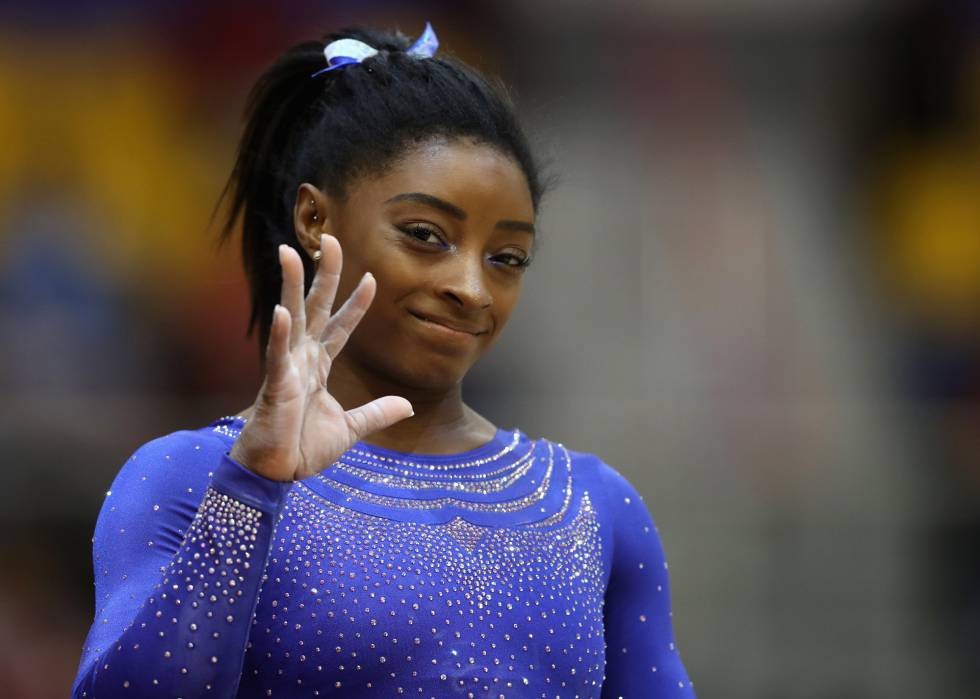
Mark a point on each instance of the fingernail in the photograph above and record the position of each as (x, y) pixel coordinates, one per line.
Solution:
(322, 238)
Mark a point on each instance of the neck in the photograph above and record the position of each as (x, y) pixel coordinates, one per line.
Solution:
(442, 424)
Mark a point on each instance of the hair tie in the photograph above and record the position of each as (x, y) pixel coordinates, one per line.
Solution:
(343, 52)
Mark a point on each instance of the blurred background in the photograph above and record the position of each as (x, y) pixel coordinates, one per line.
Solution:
(757, 296)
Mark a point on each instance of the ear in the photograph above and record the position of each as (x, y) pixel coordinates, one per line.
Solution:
(311, 217)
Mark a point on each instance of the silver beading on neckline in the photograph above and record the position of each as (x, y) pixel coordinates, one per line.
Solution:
(348, 462)
(447, 466)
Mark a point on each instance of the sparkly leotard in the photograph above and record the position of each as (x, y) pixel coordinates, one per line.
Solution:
(518, 569)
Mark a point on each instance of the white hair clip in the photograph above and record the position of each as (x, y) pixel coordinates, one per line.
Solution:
(344, 52)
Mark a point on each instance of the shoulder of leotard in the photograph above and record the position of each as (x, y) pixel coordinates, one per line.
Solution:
(177, 462)
(583, 463)
(192, 442)
(611, 492)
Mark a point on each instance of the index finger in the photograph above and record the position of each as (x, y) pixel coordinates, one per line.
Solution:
(291, 294)
(323, 291)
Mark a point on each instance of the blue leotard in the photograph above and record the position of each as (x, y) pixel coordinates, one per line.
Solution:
(517, 569)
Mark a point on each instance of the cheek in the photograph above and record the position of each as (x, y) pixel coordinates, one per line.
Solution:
(361, 255)
(352, 269)
(505, 301)
(394, 277)
(383, 317)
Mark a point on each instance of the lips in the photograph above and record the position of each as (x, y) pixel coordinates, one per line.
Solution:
(456, 325)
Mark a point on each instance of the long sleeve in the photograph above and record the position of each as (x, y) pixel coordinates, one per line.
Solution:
(179, 554)
(642, 660)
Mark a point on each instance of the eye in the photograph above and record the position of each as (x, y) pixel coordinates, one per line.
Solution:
(510, 260)
(424, 234)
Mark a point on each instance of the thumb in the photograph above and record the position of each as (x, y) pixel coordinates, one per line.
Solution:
(378, 414)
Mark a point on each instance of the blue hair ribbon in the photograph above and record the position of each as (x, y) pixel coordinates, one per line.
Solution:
(345, 52)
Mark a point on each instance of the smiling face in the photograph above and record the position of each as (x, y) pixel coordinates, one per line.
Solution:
(447, 232)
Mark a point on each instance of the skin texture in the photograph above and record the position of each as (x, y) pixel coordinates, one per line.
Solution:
(435, 267)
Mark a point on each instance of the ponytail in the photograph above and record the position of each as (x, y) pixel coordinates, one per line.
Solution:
(278, 104)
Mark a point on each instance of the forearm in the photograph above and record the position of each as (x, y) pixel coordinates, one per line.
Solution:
(642, 661)
(188, 637)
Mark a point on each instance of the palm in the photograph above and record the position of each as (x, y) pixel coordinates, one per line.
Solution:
(298, 428)
(326, 431)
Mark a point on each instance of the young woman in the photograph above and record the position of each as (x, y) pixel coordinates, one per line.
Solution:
(359, 530)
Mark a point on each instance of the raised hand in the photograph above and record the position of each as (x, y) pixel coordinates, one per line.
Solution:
(297, 428)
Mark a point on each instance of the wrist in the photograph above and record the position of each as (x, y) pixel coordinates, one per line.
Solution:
(257, 463)
(238, 481)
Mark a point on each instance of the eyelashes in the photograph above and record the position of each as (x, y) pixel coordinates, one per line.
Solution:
(429, 236)
(519, 262)
(422, 234)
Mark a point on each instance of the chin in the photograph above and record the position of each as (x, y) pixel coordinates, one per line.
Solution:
(414, 368)
(429, 376)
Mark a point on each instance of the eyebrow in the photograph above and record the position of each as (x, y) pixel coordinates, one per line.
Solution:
(456, 212)
(516, 226)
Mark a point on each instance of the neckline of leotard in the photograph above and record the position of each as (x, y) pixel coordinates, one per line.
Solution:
(501, 439)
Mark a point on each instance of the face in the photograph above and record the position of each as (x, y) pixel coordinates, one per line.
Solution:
(447, 232)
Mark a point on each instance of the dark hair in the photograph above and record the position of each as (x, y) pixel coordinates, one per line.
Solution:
(349, 122)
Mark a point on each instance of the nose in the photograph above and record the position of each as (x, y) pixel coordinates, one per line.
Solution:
(464, 283)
